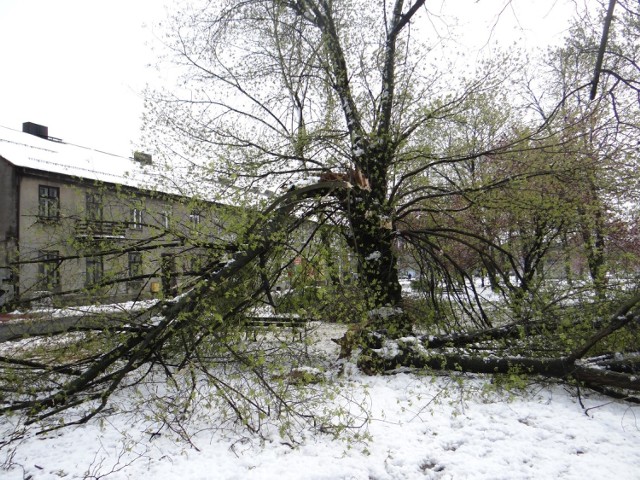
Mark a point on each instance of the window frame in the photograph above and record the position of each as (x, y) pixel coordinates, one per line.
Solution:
(195, 217)
(49, 270)
(94, 211)
(94, 270)
(166, 218)
(48, 205)
(134, 265)
(136, 216)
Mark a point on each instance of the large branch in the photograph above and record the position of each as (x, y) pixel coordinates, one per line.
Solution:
(413, 355)
(622, 317)
(398, 22)
(139, 348)
(602, 49)
(438, 353)
(337, 68)
(406, 17)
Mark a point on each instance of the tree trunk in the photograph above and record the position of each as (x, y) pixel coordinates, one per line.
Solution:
(560, 368)
(433, 353)
(372, 230)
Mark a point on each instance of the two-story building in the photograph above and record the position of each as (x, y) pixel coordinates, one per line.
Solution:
(78, 223)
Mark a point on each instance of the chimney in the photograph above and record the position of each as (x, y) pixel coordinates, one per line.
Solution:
(142, 158)
(35, 129)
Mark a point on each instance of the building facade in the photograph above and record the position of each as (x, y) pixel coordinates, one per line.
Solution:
(81, 225)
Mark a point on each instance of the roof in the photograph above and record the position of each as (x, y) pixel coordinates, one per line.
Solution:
(30, 151)
(52, 155)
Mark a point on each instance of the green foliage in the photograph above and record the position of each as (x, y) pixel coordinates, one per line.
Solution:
(329, 303)
(514, 384)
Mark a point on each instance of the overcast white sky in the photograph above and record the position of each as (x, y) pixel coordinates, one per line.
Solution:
(79, 66)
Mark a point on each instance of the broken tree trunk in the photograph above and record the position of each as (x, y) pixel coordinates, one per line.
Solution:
(97, 378)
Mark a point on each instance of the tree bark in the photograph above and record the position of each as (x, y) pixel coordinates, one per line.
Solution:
(561, 368)
(436, 353)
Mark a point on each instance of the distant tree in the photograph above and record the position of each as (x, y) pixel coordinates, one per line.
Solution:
(600, 129)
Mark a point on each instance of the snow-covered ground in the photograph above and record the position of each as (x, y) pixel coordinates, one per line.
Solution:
(419, 427)
(50, 312)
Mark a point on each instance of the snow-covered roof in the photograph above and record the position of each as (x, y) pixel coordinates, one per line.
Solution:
(26, 150)
(30, 151)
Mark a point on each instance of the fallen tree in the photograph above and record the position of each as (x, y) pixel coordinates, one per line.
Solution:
(456, 353)
(190, 318)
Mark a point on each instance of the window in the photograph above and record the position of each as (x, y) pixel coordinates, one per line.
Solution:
(194, 217)
(135, 280)
(95, 270)
(168, 274)
(166, 218)
(135, 264)
(48, 202)
(94, 207)
(50, 270)
(136, 219)
(194, 264)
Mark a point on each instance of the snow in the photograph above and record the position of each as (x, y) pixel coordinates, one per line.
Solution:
(418, 428)
(414, 427)
(385, 312)
(32, 152)
(131, 306)
(25, 150)
(374, 256)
